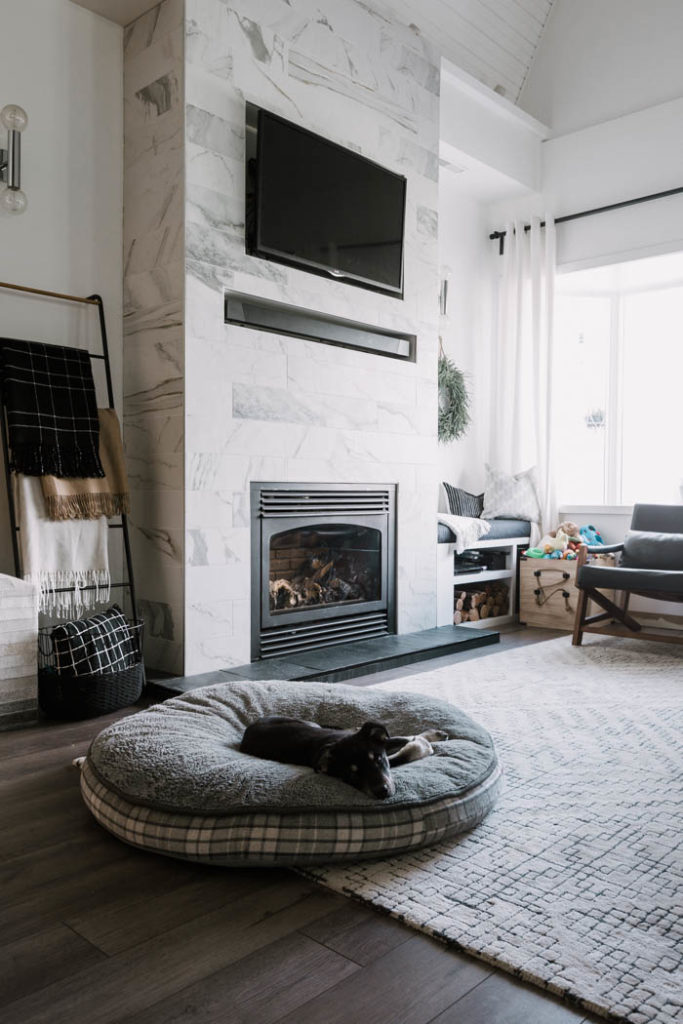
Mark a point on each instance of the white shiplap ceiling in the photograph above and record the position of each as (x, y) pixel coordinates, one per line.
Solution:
(493, 40)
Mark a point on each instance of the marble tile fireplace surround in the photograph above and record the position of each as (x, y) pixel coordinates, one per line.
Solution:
(212, 407)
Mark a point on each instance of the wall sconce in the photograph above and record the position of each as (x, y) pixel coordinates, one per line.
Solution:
(12, 199)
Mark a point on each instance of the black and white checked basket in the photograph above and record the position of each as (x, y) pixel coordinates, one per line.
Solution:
(69, 697)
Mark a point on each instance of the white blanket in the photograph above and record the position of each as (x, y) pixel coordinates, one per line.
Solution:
(70, 553)
(467, 531)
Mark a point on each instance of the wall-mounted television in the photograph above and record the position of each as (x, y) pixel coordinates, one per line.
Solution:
(318, 206)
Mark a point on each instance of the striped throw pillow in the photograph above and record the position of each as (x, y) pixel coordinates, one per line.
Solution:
(462, 503)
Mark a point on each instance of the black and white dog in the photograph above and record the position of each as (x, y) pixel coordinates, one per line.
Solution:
(362, 759)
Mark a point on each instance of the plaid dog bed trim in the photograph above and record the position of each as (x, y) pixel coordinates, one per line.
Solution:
(102, 643)
(267, 838)
(52, 417)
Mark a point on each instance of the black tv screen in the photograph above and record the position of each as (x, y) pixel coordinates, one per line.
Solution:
(321, 207)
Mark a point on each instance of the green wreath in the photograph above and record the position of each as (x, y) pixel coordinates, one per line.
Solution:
(454, 401)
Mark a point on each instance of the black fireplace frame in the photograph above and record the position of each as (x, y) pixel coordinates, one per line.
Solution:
(364, 505)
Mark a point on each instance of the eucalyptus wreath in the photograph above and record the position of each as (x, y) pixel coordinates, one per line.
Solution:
(454, 401)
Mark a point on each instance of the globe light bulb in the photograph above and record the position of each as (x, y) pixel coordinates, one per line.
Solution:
(14, 118)
(13, 200)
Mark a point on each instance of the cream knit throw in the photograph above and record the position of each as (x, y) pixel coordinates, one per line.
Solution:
(72, 553)
(467, 531)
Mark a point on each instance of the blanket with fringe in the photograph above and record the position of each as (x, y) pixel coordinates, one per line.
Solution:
(49, 395)
(467, 530)
(55, 555)
(83, 498)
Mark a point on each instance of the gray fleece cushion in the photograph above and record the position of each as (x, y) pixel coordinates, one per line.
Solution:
(184, 755)
(172, 778)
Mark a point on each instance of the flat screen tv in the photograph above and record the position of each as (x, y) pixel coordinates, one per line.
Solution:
(321, 207)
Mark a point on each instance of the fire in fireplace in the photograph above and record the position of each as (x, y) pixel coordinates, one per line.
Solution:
(328, 564)
(323, 565)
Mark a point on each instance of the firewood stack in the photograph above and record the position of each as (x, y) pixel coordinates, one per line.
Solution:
(485, 602)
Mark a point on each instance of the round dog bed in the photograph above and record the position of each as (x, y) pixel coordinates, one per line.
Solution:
(172, 779)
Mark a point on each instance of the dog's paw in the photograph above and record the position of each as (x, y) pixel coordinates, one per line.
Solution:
(435, 735)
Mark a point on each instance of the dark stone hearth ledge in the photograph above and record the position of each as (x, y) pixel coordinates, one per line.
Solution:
(340, 662)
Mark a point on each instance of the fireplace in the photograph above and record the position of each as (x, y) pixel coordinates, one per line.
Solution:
(323, 565)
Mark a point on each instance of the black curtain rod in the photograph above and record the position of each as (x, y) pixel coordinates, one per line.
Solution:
(500, 235)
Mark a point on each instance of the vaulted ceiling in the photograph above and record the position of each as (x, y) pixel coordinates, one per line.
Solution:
(493, 40)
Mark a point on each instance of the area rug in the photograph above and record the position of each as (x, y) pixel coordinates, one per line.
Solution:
(574, 882)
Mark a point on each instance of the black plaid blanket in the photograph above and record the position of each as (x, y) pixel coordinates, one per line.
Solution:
(49, 394)
(102, 643)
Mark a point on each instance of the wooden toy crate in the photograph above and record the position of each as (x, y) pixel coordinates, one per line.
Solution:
(547, 593)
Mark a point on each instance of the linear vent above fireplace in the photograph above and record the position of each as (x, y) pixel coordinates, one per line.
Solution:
(323, 565)
(282, 502)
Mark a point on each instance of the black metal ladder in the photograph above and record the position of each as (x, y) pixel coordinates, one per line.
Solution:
(90, 300)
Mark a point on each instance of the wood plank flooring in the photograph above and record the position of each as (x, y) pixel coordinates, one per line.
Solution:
(96, 932)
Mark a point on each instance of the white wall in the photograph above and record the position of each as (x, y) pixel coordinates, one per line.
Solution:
(622, 159)
(601, 59)
(64, 66)
(468, 258)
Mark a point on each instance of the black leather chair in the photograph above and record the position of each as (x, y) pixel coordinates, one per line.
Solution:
(650, 565)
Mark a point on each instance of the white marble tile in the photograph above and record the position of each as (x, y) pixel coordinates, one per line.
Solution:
(215, 583)
(209, 619)
(227, 546)
(154, 432)
(151, 26)
(209, 510)
(286, 405)
(206, 38)
(162, 620)
(159, 509)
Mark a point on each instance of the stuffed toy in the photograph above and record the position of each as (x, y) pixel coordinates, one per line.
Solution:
(590, 535)
(571, 529)
(556, 540)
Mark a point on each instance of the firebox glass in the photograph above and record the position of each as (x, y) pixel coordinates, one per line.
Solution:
(330, 564)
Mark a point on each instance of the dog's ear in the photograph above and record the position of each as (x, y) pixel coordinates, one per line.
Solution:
(374, 731)
(323, 762)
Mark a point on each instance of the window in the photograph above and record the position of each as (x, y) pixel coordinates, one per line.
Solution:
(618, 383)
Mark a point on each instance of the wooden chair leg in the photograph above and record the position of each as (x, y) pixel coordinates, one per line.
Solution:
(615, 611)
(581, 606)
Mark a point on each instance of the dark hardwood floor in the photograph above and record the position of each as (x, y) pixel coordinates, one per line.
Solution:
(95, 932)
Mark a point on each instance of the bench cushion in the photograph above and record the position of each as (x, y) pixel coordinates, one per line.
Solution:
(501, 529)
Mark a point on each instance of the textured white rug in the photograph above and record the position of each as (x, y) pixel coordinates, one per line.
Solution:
(574, 882)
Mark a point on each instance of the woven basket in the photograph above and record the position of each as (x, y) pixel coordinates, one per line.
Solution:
(65, 696)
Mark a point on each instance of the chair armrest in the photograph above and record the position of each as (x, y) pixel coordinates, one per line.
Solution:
(604, 549)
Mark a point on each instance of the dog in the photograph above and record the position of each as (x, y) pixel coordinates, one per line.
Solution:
(361, 759)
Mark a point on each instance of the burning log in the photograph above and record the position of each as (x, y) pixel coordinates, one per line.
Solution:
(312, 592)
(283, 594)
(323, 577)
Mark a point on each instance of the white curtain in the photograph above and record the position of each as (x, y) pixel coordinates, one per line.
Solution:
(522, 434)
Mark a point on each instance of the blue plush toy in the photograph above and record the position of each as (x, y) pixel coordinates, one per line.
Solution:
(589, 535)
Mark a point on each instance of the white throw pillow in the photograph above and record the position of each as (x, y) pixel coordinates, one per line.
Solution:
(511, 497)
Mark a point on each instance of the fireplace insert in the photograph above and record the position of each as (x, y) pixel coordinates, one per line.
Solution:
(323, 565)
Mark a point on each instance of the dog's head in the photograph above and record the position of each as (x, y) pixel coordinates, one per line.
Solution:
(361, 761)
